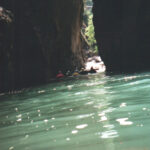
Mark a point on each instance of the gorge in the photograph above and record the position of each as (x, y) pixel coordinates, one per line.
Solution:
(37, 38)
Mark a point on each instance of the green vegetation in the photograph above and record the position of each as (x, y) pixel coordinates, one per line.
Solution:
(88, 2)
(87, 10)
(89, 30)
(90, 34)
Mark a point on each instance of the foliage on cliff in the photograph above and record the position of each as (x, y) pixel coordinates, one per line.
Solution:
(88, 22)
(90, 34)
(5, 15)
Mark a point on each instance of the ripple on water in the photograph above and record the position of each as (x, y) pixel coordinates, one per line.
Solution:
(85, 116)
(110, 126)
(74, 131)
(78, 114)
(109, 134)
(11, 148)
(82, 126)
(124, 122)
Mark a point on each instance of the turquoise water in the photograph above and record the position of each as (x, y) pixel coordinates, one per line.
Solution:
(95, 112)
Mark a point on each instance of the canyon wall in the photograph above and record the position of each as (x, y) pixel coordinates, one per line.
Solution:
(122, 30)
(37, 39)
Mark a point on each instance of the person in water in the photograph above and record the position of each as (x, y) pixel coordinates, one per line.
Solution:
(60, 75)
(76, 72)
(83, 71)
(92, 70)
(68, 73)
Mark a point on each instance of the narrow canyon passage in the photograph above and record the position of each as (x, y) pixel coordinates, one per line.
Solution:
(37, 39)
(100, 111)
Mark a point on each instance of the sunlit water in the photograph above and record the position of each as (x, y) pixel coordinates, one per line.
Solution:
(94, 112)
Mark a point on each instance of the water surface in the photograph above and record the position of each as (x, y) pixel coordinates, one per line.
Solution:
(94, 112)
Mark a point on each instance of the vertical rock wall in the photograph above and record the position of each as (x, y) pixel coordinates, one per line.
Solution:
(123, 33)
(41, 38)
(6, 48)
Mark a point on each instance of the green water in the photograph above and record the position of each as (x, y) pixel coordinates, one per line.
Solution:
(94, 112)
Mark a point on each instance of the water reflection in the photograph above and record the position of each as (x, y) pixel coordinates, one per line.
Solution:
(89, 113)
(123, 121)
(82, 126)
(74, 132)
(109, 134)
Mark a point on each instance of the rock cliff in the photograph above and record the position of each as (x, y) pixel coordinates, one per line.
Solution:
(123, 33)
(38, 38)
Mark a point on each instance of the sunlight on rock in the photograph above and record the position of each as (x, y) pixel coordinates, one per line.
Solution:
(96, 63)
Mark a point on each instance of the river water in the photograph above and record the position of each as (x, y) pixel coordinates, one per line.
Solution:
(92, 112)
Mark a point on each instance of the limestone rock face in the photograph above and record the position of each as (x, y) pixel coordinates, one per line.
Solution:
(123, 33)
(38, 38)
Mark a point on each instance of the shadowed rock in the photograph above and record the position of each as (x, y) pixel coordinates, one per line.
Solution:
(43, 38)
(123, 33)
